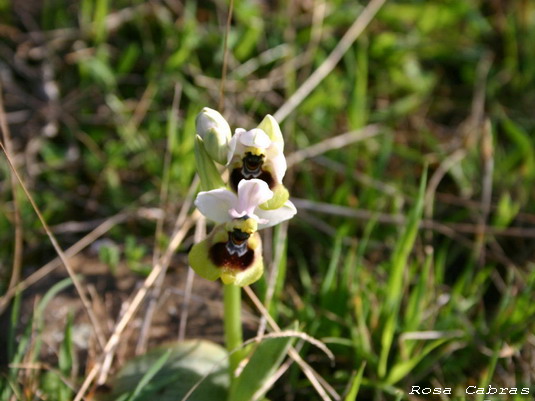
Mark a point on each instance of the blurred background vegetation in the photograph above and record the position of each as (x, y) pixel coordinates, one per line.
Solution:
(430, 287)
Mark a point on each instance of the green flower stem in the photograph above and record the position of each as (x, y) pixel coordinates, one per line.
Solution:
(211, 179)
(233, 327)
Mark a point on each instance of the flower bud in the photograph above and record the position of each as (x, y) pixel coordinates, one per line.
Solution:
(215, 133)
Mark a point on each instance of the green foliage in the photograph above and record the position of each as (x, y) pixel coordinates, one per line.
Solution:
(29, 348)
(134, 254)
(110, 254)
(171, 372)
(394, 290)
(266, 358)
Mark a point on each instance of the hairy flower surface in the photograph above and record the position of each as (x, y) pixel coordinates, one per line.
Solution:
(232, 252)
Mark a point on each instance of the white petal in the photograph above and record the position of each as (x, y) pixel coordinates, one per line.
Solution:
(276, 216)
(215, 204)
(255, 138)
(276, 160)
(234, 144)
(251, 194)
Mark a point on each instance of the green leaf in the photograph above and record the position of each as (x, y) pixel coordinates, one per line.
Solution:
(395, 282)
(66, 359)
(170, 373)
(403, 368)
(355, 384)
(264, 362)
(39, 314)
(151, 372)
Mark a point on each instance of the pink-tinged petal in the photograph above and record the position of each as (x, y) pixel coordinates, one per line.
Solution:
(215, 204)
(255, 138)
(251, 194)
(236, 215)
(276, 216)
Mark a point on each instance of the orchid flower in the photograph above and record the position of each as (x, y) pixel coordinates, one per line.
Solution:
(233, 250)
(258, 153)
(235, 256)
(222, 205)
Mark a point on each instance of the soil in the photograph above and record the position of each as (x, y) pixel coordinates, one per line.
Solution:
(110, 294)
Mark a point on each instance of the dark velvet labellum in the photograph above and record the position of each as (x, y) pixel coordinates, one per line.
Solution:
(251, 168)
(252, 165)
(234, 253)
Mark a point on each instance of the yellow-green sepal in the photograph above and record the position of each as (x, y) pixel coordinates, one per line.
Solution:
(206, 168)
(200, 262)
(280, 196)
(271, 127)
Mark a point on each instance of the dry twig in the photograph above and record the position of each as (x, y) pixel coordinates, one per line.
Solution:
(315, 378)
(181, 228)
(19, 234)
(77, 284)
(335, 142)
(330, 62)
(156, 291)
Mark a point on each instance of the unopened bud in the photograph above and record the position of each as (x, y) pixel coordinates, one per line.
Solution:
(215, 133)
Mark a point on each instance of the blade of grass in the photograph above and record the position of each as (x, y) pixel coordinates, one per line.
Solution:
(328, 285)
(395, 283)
(486, 378)
(356, 381)
(151, 372)
(99, 21)
(39, 314)
(417, 300)
(264, 362)
(25, 340)
(66, 361)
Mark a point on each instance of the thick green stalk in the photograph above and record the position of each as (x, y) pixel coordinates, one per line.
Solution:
(233, 328)
(211, 179)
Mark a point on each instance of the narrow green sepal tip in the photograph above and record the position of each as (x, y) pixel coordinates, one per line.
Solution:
(271, 127)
